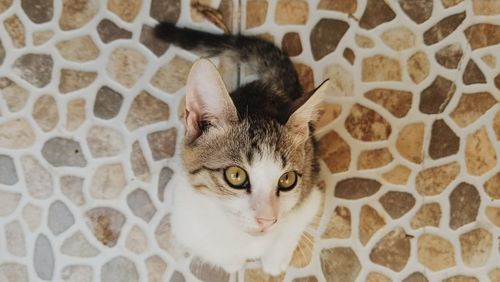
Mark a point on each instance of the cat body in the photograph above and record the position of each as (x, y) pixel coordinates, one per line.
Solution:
(249, 186)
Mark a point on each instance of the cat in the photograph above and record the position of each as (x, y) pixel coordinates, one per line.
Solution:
(250, 157)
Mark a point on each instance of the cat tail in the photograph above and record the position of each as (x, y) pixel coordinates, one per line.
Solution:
(273, 67)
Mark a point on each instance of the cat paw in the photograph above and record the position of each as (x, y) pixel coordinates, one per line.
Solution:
(274, 266)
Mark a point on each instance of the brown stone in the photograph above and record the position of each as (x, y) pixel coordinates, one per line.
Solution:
(343, 6)
(34, 68)
(162, 143)
(444, 142)
(397, 102)
(78, 49)
(493, 214)
(126, 66)
(451, 3)
(399, 38)
(290, 44)
(77, 13)
(138, 162)
(157, 46)
(339, 225)
(2, 53)
(349, 55)
(435, 252)
(416, 277)
(75, 114)
(306, 76)
(480, 156)
(206, 272)
(257, 275)
(146, 109)
(126, 10)
(256, 13)
(392, 251)
(497, 81)
(435, 98)
(496, 125)
(325, 36)
(486, 7)
(39, 11)
(398, 175)
(107, 103)
(15, 29)
(492, 186)
(73, 80)
(397, 204)
(306, 279)
(377, 277)
(494, 274)
(428, 215)
(4, 5)
(375, 14)
(335, 152)
(369, 159)
(356, 188)
(291, 12)
(380, 68)
(340, 264)
(443, 28)
(45, 112)
(410, 142)
(476, 247)
(482, 35)
(464, 205)
(370, 221)
(341, 82)
(418, 11)
(172, 76)
(168, 11)
(473, 74)
(449, 56)
(108, 31)
(471, 107)
(328, 113)
(364, 41)
(302, 254)
(14, 95)
(461, 278)
(106, 224)
(434, 180)
(367, 125)
(418, 67)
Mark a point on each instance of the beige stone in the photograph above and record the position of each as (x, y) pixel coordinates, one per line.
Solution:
(41, 37)
(434, 180)
(258, 275)
(108, 182)
(163, 234)
(14, 95)
(399, 38)
(418, 67)
(303, 252)
(380, 68)
(410, 142)
(428, 215)
(172, 76)
(256, 13)
(32, 215)
(136, 241)
(398, 175)
(75, 114)
(341, 82)
(486, 7)
(471, 107)
(45, 112)
(461, 278)
(8, 202)
(78, 49)
(162, 143)
(375, 158)
(73, 80)
(77, 13)
(377, 277)
(291, 12)
(146, 109)
(196, 15)
(126, 10)
(492, 186)
(139, 164)
(476, 247)
(364, 41)
(104, 141)
(39, 182)
(493, 214)
(339, 225)
(480, 156)
(435, 252)
(329, 112)
(15, 29)
(156, 268)
(369, 222)
(490, 60)
(340, 264)
(496, 125)
(126, 66)
(494, 274)
(16, 134)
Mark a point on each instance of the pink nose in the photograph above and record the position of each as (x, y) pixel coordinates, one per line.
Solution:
(264, 223)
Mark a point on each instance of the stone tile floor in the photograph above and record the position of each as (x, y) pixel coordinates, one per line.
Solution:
(409, 138)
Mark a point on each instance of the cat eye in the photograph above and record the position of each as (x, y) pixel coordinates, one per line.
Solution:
(236, 177)
(287, 181)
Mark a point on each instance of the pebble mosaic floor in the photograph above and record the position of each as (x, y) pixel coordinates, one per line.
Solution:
(409, 139)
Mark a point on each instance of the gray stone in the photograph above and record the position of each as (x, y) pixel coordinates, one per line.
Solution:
(206, 272)
(43, 258)
(34, 68)
(72, 188)
(77, 273)
(119, 269)
(60, 151)
(60, 218)
(166, 174)
(141, 205)
(177, 277)
(8, 175)
(39, 11)
(13, 272)
(157, 46)
(2, 53)
(78, 246)
(109, 31)
(107, 103)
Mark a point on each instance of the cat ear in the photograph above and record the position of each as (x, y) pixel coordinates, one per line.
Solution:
(207, 100)
(306, 112)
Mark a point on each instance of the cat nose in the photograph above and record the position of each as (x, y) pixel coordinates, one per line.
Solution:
(264, 223)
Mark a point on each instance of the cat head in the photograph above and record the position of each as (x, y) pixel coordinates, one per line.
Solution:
(257, 171)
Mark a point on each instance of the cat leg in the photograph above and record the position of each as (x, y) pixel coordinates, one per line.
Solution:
(277, 259)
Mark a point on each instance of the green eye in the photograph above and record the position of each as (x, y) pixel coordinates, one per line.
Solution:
(236, 177)
(287, 181)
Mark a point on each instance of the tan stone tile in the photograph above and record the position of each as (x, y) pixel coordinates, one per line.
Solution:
(370, 159)
(435, 252)
(480, 156)
(392, 251)
(398, 175)
(369, 223)
(291, 12)
(418, 67)
(380, 68)
(428, 215)
(410, 142)
(339, 225)
(256, 13)
(335, 152)
(476, 246)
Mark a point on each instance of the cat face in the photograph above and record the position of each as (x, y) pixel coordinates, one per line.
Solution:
(256, 171)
